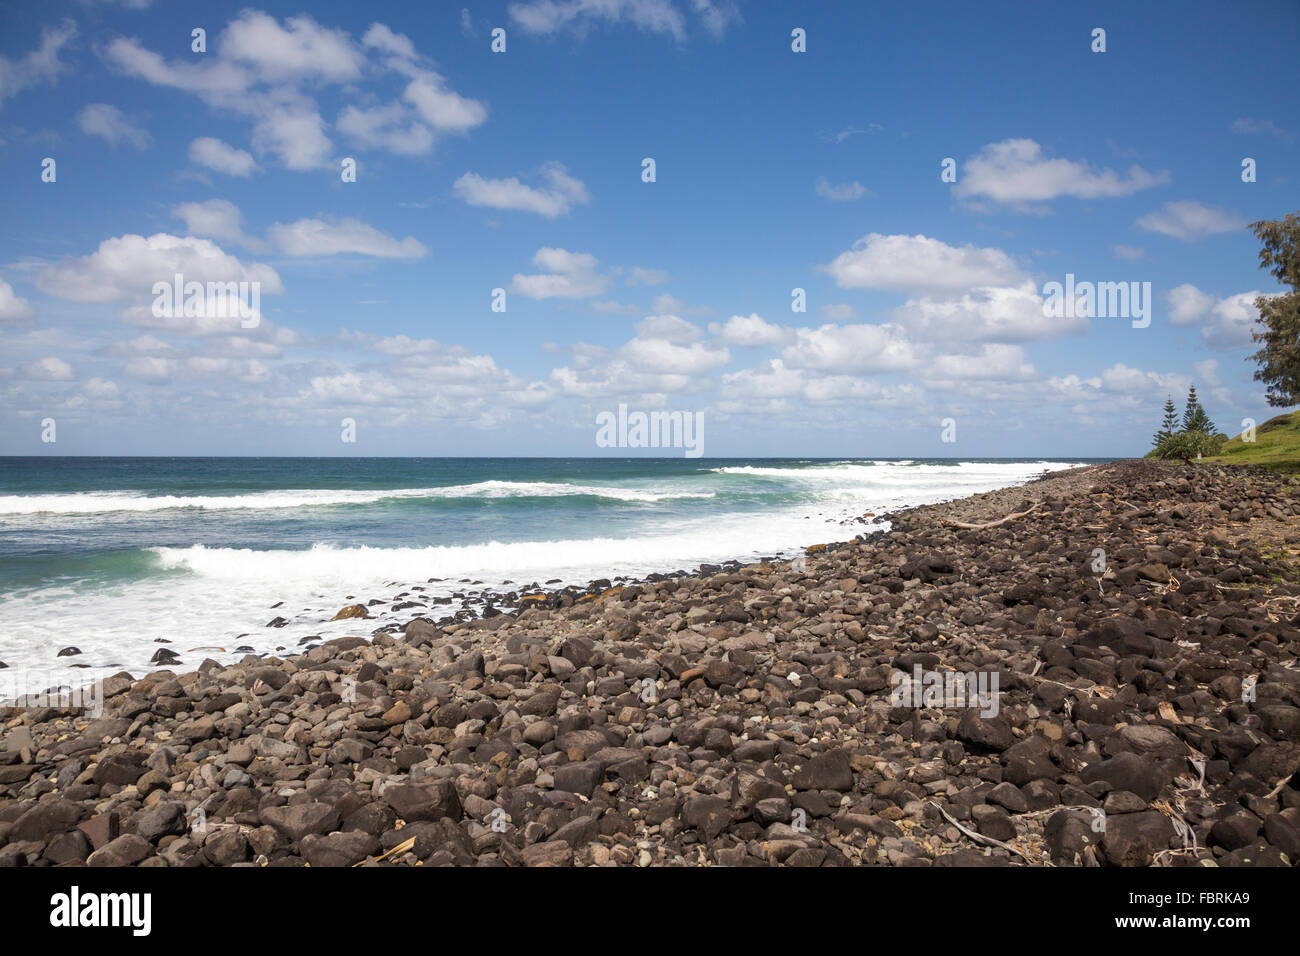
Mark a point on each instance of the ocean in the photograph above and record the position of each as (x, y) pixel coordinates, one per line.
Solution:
(121, 556)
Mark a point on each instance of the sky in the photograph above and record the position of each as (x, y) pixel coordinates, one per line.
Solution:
(517, 178)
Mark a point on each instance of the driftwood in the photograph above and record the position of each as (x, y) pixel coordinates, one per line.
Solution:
(992, 524)
(981, 838)
(395, 851)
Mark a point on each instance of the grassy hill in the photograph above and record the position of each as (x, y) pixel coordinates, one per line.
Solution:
(1276, 446)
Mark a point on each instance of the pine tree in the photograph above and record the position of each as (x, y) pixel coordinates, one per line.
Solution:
(1168, 426)
(1189, 412)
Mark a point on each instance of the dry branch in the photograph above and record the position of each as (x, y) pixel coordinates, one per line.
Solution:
(992, 524)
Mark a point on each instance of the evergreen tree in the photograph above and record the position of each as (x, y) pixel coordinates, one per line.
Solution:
(1168, 426)
(1190, 410)
(1278, 326)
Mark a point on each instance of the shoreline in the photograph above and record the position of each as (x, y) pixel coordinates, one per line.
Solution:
(269, 620)
(744, 716)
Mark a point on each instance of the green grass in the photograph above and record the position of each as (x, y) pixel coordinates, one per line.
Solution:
(1276, 446)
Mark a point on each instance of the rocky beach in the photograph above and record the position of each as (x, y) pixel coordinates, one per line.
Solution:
(1139, 622)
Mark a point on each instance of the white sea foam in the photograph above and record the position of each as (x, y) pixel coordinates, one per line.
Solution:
(96, 502)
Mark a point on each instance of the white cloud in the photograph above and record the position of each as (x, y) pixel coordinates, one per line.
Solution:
(569, 275)
(1188, 305)
(991, 313)
(1189, 220)
(1248, 127)
(670, 303)
(41, 65)
(441, 107)
(639, 277)
(549, 17)
(999, 362)
(852, 349)
(750, 331)
(332, 237)
(110, 124)
(221, 157)
(1207, 371)
(663, 356)
(1226, 324)
(268, 72)
(101, 389)
(1016, 171)
(670, 328)
(214, 219)
(920, 264)
(1120, 383)
(12, 307)
(126, 267)
(838, 312)
(48, 369)
(556, 198)
(160, 371)
(840, 192)
(142, 345)
(301, 48)
(385, 127)
(292, 130)
(773, 380)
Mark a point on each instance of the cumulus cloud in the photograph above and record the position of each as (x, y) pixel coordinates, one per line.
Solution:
(13, 309)
(388, 127)
(567, 275)
(991, 361)
(750, 331)
(269, 71)
(126, 267)
(111, 125)
(852, 349)
(1189, 220)
(300, 48)
(559, 193)
(919, 264)
(215, 219)
(49, 369)
(219, 156)
(1017, 171)
(1120, 382)
(773, 381)
(1226, 323)
(992, 314)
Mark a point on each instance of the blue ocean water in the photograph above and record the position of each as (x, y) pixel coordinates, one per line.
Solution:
(115, 555)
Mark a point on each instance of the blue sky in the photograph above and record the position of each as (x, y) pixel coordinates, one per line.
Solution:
(522, 170)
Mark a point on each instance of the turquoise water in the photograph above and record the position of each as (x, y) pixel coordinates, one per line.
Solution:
(116, 554)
